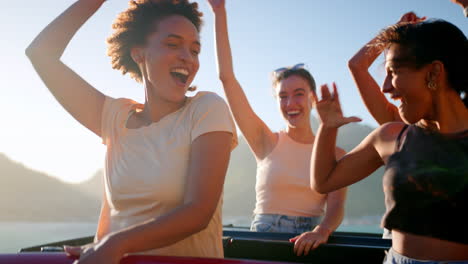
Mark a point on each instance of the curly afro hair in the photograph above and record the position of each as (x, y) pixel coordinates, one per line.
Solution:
(132, 27)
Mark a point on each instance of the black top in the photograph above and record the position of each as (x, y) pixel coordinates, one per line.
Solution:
(426, 185)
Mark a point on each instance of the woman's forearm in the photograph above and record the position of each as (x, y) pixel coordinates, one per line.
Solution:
(160, 232)
(52, 41)
(364, 58)
(323, 159)
(377, 104)
(335, 211)
(223, 47)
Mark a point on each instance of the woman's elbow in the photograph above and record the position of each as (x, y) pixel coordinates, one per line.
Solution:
(30, 52)
(318, 187)
(201, 220)
(34, 54)
(354, 64)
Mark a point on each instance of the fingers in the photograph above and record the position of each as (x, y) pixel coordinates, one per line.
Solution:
(310, 246)
(294, 238)
(303, 246)
(407, 17)
(411, 17)
(352, 119)
(335, 92)
(73, 250)
(325, 92)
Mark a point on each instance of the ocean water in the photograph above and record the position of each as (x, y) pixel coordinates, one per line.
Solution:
(17, 235)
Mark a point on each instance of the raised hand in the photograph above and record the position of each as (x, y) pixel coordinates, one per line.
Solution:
(410, 17)
(329, 109)
(216, 4)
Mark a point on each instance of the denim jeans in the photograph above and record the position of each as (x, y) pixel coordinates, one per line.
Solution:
(283, 223)
(394, 257)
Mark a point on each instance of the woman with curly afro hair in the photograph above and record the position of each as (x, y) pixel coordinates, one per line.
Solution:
(167, 157)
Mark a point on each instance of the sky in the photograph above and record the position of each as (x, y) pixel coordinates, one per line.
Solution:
(265, 35)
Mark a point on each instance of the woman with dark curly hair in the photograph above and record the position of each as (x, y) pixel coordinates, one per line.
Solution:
(166, 158)
(426, 177)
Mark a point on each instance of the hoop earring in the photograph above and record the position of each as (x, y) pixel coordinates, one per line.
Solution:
(432, 86)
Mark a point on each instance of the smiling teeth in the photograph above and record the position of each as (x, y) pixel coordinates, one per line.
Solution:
(293, 112)
(181, 71)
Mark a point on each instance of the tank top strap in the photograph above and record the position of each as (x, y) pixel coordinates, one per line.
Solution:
(399, 138)
(281, 140)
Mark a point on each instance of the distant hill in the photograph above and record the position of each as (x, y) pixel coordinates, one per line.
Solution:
(28, 195)
(93, 187)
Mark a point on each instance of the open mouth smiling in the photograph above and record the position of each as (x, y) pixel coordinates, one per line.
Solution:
(180, 74)
(293, 113)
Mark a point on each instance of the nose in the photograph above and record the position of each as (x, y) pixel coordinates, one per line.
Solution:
(185, 54)
(290, 101)
(387, 85)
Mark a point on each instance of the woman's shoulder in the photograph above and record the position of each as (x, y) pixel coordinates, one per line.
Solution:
(204, 102)
(390, 130)
(116, 104)
(205, 97)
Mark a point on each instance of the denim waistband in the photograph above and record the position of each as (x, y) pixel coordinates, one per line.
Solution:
(394, 257)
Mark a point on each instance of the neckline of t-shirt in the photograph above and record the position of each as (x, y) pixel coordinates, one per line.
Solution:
(288, 138)
(189, 100)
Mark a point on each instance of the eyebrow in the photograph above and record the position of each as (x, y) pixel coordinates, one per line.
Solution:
(295, 90)
(299, 90)
(181, 38)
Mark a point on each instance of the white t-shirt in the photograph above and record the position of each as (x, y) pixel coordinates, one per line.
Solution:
(146, 168)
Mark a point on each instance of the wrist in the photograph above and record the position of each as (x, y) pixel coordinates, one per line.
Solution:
(219, 11)
(115, 244)
(323, 229)
(329, 128)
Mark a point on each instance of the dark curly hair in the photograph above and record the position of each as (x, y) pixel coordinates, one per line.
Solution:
(301, 72)
(428, 41)
(132, 27)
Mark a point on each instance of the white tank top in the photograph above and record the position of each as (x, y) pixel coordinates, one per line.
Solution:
(283, 181)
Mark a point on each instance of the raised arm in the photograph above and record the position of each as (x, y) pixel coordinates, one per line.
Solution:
(327, 174)
(381, 109)
(78, 97)
(259, 137)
